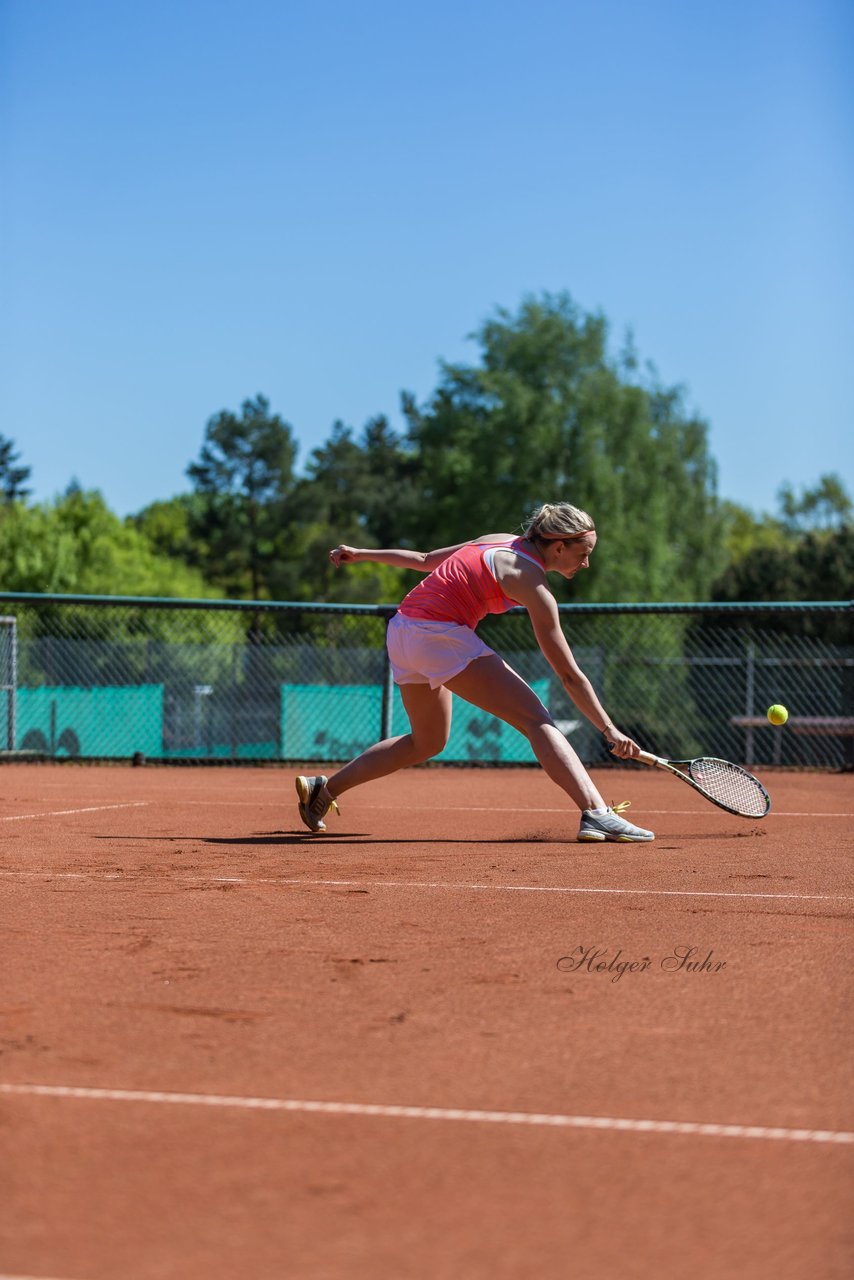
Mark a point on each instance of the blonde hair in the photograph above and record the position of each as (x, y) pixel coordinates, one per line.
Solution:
(556, 520)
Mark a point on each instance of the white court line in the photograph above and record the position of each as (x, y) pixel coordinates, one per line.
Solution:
(533, 811)
(66, 875)
(427, 884)
(394, 808)
(679, 813)
(793, 813)
(518, 888)
(61, 813)
(556, 1121)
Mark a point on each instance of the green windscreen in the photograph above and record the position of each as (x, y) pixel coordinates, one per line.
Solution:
(100, 721)
(326, 722)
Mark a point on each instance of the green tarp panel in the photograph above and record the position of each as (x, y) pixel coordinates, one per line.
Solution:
(336, 722)
(103, 721)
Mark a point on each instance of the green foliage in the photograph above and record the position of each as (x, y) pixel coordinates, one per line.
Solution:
(244, 478)
(365, 491)
(12, 478)
(549, 416)
(818, 565)
(75, 544)
(356, 491)
(309, 575)
(802, 554)
(745, 534)
(545, 414)
(790, 558)
(826, 506)
(167, 528)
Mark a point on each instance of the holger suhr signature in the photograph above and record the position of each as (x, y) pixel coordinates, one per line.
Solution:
(680, 959)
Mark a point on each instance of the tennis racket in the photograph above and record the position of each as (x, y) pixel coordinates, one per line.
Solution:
(727, 785)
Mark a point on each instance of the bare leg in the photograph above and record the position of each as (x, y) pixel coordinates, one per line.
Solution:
(490, 684)
(429, 712)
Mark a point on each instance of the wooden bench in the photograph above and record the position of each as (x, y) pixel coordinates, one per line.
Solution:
(828, 726)
(836, 726)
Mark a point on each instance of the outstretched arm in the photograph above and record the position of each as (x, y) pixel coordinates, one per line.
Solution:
(533, 593)
(398, 558)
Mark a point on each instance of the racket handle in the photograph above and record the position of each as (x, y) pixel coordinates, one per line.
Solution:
(642, 757)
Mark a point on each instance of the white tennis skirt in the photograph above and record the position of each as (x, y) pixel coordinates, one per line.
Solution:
(426, 652)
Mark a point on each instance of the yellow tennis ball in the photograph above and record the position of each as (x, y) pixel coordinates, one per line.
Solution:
(777, 714)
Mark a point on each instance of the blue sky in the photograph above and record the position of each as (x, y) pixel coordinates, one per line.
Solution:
(318, 201)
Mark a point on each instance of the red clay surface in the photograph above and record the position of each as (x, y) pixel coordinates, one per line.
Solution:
(198, 941)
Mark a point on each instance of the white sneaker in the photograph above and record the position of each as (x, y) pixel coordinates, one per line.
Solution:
(314, 801)
(610, 826)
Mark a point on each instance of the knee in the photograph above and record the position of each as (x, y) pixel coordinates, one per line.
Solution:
(537, 723)
(427, 745)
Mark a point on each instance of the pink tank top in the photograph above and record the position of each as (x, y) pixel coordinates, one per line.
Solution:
(462, 589)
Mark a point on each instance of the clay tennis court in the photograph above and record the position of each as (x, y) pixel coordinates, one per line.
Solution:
(231, 1049)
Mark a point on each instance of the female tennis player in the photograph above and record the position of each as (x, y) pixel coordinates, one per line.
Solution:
(435, 652)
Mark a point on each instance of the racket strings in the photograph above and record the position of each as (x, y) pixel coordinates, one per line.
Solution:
(731, 786)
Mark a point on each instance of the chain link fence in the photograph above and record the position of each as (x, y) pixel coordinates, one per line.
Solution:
(169, 680)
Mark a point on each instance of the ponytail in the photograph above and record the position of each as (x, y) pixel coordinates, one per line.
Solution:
(556, 520)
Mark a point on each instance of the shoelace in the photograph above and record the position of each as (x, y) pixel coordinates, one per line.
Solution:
(622, 806)
(318, 803)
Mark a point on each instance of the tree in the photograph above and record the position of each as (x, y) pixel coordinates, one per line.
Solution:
(244, 477)
(548, 415)
(787, 558)
(12, 478)
(826, 506)
(75, 544)
(744, 533)
(166, 525)
(360, 491)
(393, 471)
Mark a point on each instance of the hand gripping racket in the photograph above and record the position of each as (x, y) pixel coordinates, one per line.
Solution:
(727, 785)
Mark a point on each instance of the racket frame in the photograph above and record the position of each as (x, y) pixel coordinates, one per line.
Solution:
(673, 766)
